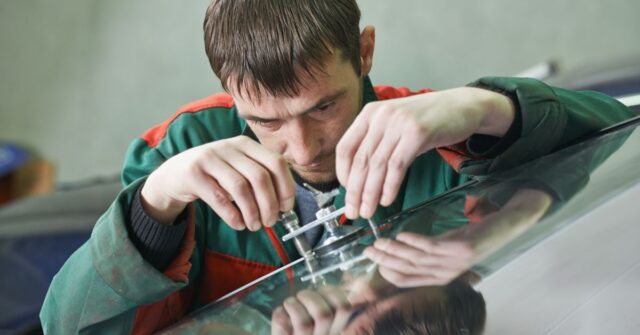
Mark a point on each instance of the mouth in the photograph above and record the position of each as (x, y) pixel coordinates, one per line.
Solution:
(315, 168)
(311, 167)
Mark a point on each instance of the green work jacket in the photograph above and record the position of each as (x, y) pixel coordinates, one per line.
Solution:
(106, 286)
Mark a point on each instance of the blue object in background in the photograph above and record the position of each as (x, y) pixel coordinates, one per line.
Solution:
(11, 157)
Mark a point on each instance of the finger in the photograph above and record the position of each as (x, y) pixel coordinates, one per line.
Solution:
(420, 263)
(372, 192)
(239, 189)
(393, 262)
(301, 321)
(277, 166)
(319, 310)
(359, 172)
(261, 184)
(349, 143)
(341, 307)
(280, 322)
(444, 276)
(419, 241)
(209, 191)
(424, 263)
(403, 280)
(354, 187)
(424, 276)
(439, 271)
(399, 249)
(403, 154)
(460, 249)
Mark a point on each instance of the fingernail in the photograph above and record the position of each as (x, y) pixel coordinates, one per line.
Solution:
(350, 211)
(365, 211)
(380, 243)
(371, 253)
(272, 222)
(385, 201)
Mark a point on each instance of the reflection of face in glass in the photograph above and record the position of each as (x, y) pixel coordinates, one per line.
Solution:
(453, 309)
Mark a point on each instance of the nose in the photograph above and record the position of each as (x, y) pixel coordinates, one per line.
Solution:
(304, 142)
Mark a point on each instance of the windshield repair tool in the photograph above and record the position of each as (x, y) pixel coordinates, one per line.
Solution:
(291, 222)
(335, 235)
(335, 248)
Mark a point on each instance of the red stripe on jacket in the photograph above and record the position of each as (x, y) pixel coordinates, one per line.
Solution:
(154, 135)
(389, 92)
(275, 241)
(152, 317)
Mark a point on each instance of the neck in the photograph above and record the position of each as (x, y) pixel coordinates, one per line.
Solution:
(320, 186)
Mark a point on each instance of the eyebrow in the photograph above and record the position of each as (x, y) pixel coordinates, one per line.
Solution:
(322, 101)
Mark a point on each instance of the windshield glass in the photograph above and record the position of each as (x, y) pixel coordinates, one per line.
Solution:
(512, 211)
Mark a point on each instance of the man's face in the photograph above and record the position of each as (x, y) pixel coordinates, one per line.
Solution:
(306, 129)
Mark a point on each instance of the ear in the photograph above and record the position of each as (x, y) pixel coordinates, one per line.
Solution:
(367, 44)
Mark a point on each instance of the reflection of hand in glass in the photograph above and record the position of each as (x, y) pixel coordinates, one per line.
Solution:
(414, 259)
(325, 311)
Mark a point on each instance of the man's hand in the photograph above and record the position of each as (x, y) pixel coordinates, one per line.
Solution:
(243, 182)
(416, 260)
(325, 311)
(375, 152)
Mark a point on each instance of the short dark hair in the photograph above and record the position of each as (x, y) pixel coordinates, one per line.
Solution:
(462, 312)
(263, 43)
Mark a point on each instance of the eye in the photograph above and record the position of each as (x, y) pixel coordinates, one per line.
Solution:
(271, 124)
(326, 106)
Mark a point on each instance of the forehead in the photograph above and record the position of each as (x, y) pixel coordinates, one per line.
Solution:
(337, 75)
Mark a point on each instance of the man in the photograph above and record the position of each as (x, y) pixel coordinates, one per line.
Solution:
(203, 189)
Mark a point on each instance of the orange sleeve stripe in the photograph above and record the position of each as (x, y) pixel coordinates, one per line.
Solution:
(280, 250)
(456, 154)
(154, 135)
(384, 92)
(453, 158)
(152, 317)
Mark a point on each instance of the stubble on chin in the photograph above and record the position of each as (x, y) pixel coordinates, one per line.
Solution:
(317, 177)
(321, 176)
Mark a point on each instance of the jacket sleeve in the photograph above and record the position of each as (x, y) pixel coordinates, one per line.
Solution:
(106, 286)
(547, 118)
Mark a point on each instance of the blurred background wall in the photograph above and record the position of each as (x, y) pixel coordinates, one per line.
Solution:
(79, 79)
